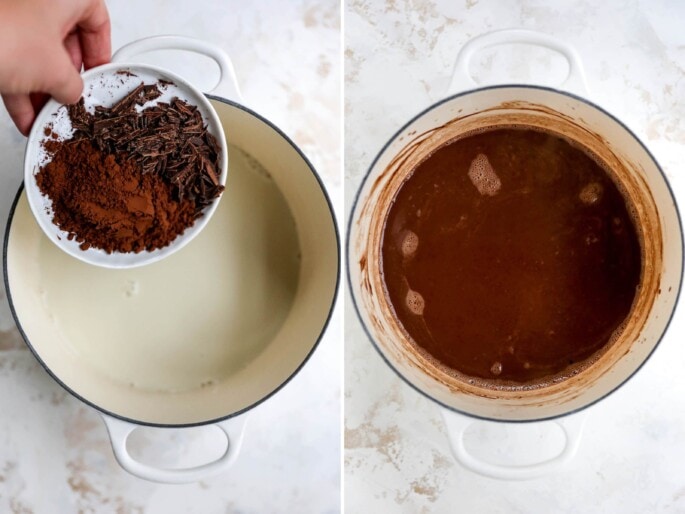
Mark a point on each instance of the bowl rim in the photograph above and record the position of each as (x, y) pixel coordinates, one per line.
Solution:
(98, 257)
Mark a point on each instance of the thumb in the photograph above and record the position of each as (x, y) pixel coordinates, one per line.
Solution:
(63, 81)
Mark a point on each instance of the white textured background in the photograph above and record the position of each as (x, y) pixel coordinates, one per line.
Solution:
(54, 452)
(399, 56)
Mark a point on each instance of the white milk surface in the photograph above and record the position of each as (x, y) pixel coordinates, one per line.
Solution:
(194, 318)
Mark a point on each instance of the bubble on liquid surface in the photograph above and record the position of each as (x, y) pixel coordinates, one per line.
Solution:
(415, 302)
(131, 288)
(591, 193)
(410, 243)
(483, 176)
(496, 368)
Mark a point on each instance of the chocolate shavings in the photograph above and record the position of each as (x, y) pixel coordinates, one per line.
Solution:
(169, 139)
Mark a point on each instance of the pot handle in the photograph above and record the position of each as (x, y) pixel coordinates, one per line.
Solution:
(457, 424)
(462, 79)
(228, 83)
(119, 430)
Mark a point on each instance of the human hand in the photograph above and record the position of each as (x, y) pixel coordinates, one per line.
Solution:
(43, 45)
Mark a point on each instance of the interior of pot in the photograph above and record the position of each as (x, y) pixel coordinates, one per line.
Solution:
(634, 169)
(208, 332)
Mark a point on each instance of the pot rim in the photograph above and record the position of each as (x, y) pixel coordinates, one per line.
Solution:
(233, 414)
(394, 137)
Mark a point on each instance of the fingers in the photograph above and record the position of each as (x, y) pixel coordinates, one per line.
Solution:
(94, 35)
(73, 46)
(38, 100)
(63, 81)
(21, 111)
(55, 68)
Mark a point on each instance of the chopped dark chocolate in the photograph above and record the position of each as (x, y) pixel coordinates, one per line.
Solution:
(127, 73)
(170, 139)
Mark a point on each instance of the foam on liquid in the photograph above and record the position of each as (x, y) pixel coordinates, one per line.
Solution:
(483, 176)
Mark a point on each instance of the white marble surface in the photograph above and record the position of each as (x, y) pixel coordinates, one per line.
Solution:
(54, 452)
(399, 56)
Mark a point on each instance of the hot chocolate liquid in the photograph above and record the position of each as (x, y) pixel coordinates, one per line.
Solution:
(510, 256)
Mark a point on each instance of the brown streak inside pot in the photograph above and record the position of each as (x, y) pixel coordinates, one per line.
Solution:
(392, 336)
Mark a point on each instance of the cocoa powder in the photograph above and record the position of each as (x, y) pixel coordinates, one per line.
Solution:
(108, 203)
(129, 180)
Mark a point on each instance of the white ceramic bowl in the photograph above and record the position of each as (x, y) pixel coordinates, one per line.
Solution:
(104, 86)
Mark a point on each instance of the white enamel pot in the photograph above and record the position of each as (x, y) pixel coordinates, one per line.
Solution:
(468, 107)
(207, 334)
